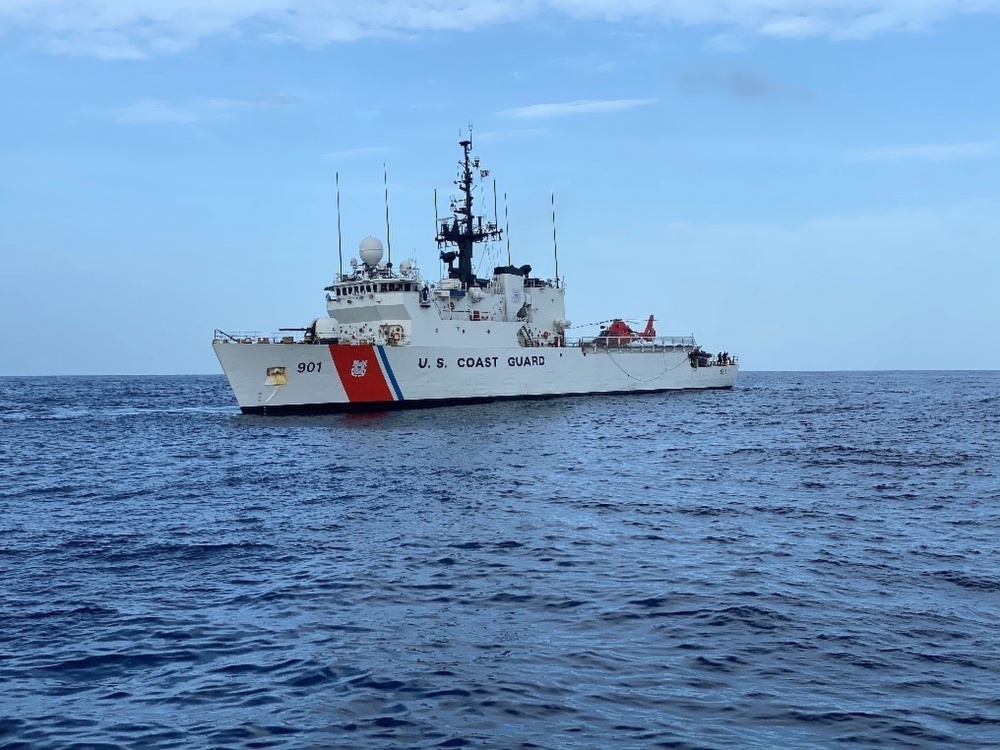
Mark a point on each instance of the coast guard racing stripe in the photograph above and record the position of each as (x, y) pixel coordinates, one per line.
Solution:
(361, 373)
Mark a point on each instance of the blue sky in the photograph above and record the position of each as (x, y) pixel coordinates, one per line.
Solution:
(808, 185)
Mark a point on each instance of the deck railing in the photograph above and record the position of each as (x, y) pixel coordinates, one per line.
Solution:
(622, 345)
(253, 337)
(626, 342)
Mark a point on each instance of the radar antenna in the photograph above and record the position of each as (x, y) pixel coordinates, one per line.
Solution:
(465, 229)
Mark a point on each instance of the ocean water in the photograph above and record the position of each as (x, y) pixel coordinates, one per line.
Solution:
(809, 560)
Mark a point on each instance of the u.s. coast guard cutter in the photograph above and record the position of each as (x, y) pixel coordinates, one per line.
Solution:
(392, 339)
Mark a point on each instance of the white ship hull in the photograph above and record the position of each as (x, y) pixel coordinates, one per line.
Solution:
(299, 378)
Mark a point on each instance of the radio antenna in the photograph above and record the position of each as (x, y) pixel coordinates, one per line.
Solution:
(555, 246)
(506, 221)
(496, 219)
(340, 236)
(436, 222)
(388, 240)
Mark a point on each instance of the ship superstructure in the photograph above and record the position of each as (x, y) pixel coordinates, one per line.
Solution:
(392, 339)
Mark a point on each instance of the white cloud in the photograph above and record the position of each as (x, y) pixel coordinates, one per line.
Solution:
(154, 112)
(495, 136)
(930, 152)
(581, 107)
(138, 28)
(354, 153)
(160, 112)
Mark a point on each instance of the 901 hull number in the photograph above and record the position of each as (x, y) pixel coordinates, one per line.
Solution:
(310, 366)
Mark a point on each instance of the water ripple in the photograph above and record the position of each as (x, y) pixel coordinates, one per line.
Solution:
(805, 561)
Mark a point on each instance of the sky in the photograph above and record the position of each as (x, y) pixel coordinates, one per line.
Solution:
(808, 184)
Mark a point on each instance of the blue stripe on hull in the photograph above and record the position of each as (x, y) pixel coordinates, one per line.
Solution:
(388, 371)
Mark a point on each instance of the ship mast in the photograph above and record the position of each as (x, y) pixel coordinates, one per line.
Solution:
(464, 229)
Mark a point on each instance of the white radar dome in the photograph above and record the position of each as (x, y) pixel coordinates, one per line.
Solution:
(405, 266)
(370, 251)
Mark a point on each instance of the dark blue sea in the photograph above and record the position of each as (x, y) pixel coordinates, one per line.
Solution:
(811, 560)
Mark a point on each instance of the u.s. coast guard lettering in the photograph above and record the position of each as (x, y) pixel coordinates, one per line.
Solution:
(477, 361)
(393, 337)
(534, 360)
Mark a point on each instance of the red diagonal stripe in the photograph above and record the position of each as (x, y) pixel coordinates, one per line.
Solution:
(352, 360)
